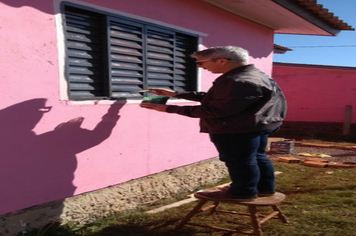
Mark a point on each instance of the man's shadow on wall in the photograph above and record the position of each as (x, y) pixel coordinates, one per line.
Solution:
(40, 168)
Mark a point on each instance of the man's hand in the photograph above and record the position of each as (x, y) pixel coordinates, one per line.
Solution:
(152, 106)
(163, 92)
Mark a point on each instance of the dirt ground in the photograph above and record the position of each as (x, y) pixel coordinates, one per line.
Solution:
(337, 154)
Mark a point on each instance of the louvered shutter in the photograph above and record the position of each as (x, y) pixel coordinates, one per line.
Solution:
(168, 60)
(185, 69)
(109, 57)
(84, 54)
(160, 58)
(126, 58)
(148, 57)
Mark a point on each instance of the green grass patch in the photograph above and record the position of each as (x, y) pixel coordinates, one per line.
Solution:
(320, 202)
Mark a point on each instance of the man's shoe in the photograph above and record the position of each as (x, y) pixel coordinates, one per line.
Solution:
(224, 195)
(266, 194)
(224, 188)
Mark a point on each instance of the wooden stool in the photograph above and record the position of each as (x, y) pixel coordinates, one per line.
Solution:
(256, 219)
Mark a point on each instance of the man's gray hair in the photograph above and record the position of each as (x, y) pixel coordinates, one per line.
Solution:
(233, 53)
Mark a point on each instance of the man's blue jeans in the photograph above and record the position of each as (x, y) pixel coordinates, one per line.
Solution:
(250, 170)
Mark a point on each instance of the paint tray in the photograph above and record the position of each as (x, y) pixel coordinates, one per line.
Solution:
(155, 99)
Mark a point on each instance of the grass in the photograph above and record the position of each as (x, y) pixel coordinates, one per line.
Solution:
(320, 202)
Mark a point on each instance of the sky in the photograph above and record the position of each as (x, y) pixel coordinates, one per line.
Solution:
(337, 50)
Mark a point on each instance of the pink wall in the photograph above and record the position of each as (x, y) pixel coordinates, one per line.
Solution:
(72, 148)
(317, 93)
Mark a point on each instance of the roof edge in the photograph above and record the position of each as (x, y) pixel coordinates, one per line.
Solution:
(316, 14)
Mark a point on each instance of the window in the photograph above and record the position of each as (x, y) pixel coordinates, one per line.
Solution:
(113, 57)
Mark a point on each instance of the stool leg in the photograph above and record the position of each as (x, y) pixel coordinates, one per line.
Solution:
(213, 210)
(280, 214)
(255, 221)
(191, 213)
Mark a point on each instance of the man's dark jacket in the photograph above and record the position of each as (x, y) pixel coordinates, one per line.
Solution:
(242, 100)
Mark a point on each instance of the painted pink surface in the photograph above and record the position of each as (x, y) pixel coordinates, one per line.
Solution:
(71, 148)
(317, 93)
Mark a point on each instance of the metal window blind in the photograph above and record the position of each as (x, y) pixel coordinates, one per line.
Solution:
(113, 57)
(85, 67)
(126, 58)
